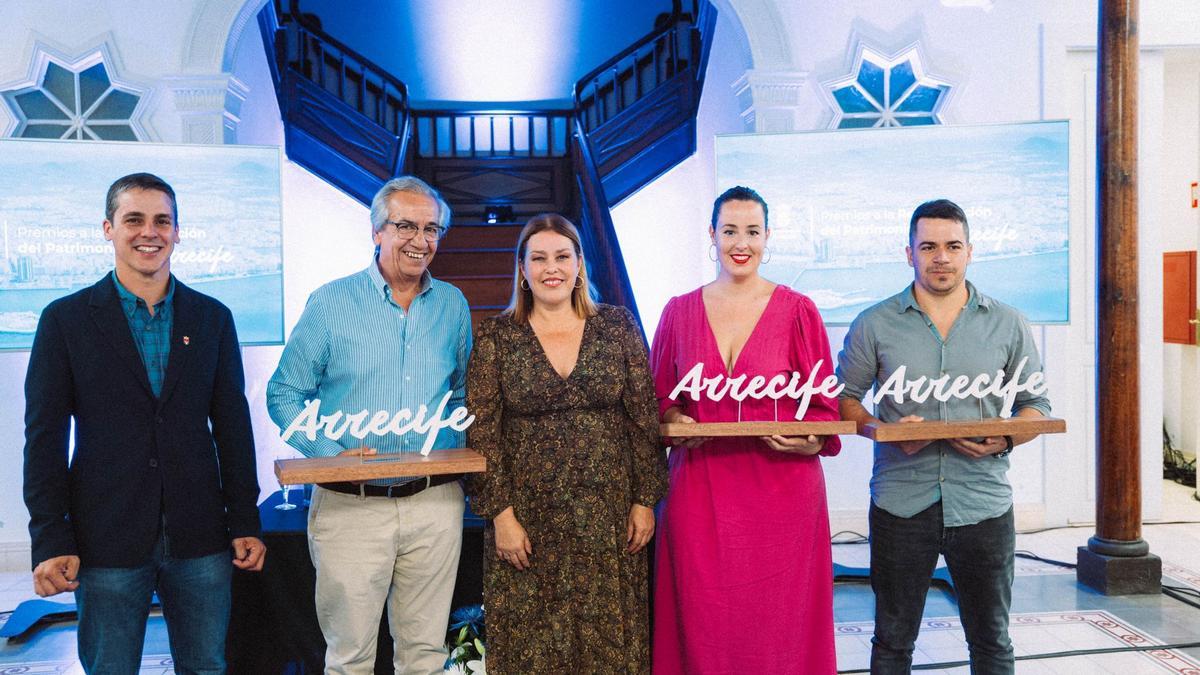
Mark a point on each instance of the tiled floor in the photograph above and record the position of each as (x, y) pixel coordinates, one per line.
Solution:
(1051, 613)
(1032, 633)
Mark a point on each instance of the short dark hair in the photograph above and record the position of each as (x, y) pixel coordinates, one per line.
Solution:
(138, 181)
(738, 193)
(939, 208)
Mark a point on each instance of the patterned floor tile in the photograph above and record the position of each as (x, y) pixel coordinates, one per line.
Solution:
(941, 640)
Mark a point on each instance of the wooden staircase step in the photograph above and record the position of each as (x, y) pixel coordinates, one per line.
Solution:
(483, 290)
(466, 262)
(478, 314)
(481, 236)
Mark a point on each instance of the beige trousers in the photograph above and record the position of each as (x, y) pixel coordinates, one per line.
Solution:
(372, 550)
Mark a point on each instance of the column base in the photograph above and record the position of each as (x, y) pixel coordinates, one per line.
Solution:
(1113, 575)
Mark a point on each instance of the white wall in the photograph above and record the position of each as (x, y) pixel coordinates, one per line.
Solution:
(69, 31)
(500, 50)
(663, 228)
(326, 234)
(1180, 166)
(1022, 60)
(1017, 61)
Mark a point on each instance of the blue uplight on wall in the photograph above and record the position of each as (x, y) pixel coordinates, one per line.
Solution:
(79, 103)
(886, 91)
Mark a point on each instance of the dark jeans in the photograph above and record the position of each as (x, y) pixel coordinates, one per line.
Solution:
(980, 559)
(114, 603)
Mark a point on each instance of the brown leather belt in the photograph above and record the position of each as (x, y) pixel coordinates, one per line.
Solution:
(395, 491)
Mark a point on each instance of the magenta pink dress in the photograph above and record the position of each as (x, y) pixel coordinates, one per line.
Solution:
(743, 579)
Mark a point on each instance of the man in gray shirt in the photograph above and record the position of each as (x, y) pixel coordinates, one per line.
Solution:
(941, 350)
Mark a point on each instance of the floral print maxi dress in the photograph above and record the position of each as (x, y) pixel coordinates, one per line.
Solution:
(570, 456)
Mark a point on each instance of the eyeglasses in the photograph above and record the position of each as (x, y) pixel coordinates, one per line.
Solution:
(406, 231)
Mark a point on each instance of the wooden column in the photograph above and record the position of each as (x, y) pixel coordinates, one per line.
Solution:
(1117, 560)
(1118, 488)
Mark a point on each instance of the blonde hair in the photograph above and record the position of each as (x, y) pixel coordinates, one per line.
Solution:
(522, 298)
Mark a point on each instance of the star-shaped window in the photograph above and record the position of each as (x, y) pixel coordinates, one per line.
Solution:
(887, 91)
(79, 104)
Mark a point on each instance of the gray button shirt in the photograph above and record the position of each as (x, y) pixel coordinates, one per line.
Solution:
(987, 337)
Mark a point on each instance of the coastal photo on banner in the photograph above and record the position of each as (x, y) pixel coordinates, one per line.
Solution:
(52, 206)
(841, 202)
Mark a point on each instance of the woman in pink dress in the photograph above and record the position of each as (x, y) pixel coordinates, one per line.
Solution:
(743, 574)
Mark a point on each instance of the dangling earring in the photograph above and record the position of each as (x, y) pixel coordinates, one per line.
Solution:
(578, 281)
(523, 284)
(766, 259)
(712, 252)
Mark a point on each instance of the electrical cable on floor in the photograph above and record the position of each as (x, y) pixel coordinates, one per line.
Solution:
(862, 538)
(1176, 466)
(1049, 655)
(1186, 590)
(1180, 593)
(858, 538)
(1028, 555)
(1183, 594)
(1177, 593)
(1092, 525)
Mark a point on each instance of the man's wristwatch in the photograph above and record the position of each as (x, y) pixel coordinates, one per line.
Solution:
(1008, 446)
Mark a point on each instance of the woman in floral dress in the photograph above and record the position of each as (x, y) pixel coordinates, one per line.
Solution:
(565, 413)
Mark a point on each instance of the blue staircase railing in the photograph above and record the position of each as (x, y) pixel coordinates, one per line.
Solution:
(516, 160)
(480, 134)
(631, 120)
(345, 119)
(602, 250)
(638, 110)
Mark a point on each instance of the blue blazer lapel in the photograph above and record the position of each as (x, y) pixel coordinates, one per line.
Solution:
(109, 317)
(185, 330)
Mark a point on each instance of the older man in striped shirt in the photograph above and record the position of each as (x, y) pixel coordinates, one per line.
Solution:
(387, 338)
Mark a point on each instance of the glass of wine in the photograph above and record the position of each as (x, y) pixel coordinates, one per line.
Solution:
(283, 452)
(285, 505)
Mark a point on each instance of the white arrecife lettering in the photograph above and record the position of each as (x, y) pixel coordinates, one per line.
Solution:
(780, 386)
(943, 390)
(716, 388)
(336, 424)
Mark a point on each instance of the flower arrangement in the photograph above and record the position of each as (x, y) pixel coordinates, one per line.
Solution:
(468, 656)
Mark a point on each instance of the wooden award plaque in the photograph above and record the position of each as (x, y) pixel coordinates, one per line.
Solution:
(373, 467)
(715, 429)
(939, 430)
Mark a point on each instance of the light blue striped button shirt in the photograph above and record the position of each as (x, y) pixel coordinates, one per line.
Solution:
(355, 349)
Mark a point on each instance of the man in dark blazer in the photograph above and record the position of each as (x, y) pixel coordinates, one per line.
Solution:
(160, 493)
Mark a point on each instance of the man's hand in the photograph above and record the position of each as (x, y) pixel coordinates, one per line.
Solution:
(639, 528)
(799, 445)
(911, 447)
(512, 543)
(985, 448)
(249, 554)
(56, 575)
(673, 416)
